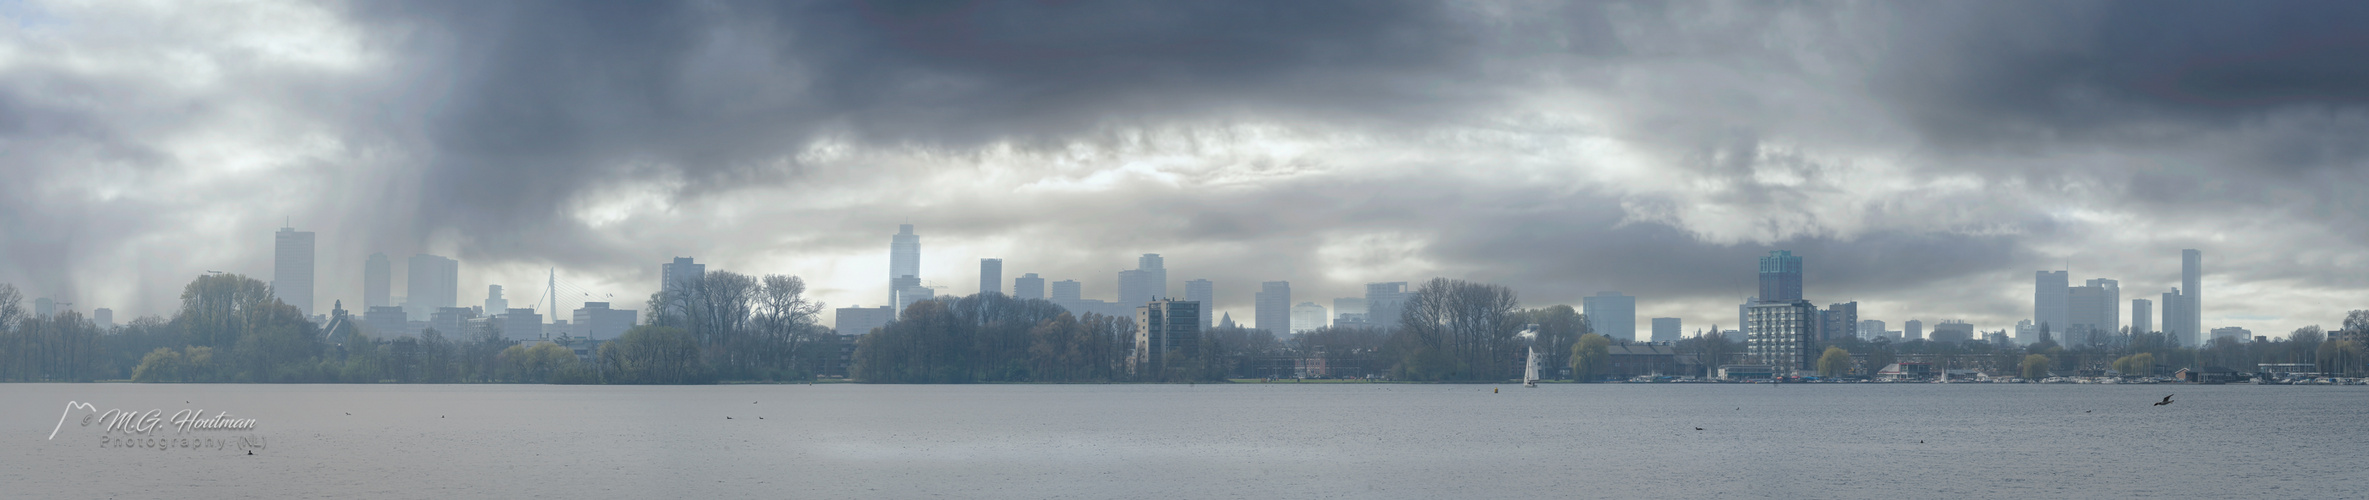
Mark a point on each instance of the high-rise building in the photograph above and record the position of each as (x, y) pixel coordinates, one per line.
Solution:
(1612, 315)
(1912, 330)
(292, 268)
(1781, 334)
(1028, 286)
(522, 324)
(2233, 333)
(597, 321)
(1780, 277)
(378, 281)
(494, 301)
(908, 291)
(1953, 331)
(1871, 328)
(1307, 316)
(1162, 327)
(385, 322)
(432, 282)
(2049, 290)
(861, 320)
(1204, 292)
(2192, 291)
(1134, 287)
(682, 274)
(904, 257)
(1273, 307)
(991, 276)
(103, 317)
(2174, 318)
(1155, 276)
(1744, 317)
(1068, 291)
(1665, 329)
(1385, 303)
(2142, 316)
(1838, 321)
(2090, 310)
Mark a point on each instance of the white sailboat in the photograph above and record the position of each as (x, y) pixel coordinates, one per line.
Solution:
(1530, 369)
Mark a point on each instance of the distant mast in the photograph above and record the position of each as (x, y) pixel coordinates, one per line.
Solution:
(552, 287)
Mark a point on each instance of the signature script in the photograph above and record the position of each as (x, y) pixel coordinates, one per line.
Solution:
(150, 422)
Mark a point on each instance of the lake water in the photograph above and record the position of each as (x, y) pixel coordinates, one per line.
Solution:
(1206, 441)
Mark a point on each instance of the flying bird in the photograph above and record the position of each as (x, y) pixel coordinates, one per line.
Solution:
(727, 418)
(2167, 399)
(1698, 428)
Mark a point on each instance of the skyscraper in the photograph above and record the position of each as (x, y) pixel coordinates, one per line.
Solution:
(1068, 291)
(1780, 277)
(1912, 330)
(2092, 309)
(2192, 290)
(386, 322)
(598, 322)
(494, 303)
(292, 268)
(1781, 334)
(431, 282)
(2049, 290)
(908, 290)
(1155, 275)
(1665, 329)
(1028, 286)
(904, 257)
(1612, 315)
(675, 279)
(522, 324)
(991, 276)
(378, 282)
(1204, 292)
(103, 317)
(1161, 327)
(1134, 287)
(1871, 328)
(2142, 316)
(1384, 303)
(1840, 320)
(2174, 318)
(1273, 307)
(1307, 316)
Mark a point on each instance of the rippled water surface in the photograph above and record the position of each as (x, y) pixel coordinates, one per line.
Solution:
(1224, 441)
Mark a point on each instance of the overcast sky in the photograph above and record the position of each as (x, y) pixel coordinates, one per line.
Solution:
(1924, 158)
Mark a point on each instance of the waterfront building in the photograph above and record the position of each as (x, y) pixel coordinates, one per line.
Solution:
(1782, 334)
(1163, 327)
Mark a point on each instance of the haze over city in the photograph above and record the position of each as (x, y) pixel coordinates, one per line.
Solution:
(1924, 160)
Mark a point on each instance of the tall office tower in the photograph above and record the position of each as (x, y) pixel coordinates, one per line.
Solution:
(522, 324)
(1840, 320)
(1744, 317)
(2142, 316)
(861, 320)
(2174, 318)
(1950, 330)
(2049, 290)
(1780, 277)
(292, 268)
(1028, 286)
(679, 277)
(1155, 275)
(385, 322)
(2192, 290)
(1665, 329)
(1385, 302)
(1204, 292)
(1912, 330)
(1349, 305)
(1871, 328)
(904, 257)
(1163, 327)
(104, 317)
(1273, 307)
(452, 322)
(1781, 334)
(908, 291)
(1134, 287)
(1307, 316)
(1612, 315)
(494, 302)
(991, 276)
(378, 281)
(432, 282)
(2026, 332)
(2091, 310)
(1068, 291)
(598, 322)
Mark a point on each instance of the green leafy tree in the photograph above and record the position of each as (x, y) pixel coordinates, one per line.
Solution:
(2035, 367)
(1591, 357)
(1835, 363)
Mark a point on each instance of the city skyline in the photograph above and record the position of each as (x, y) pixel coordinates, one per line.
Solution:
(1921, 172)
